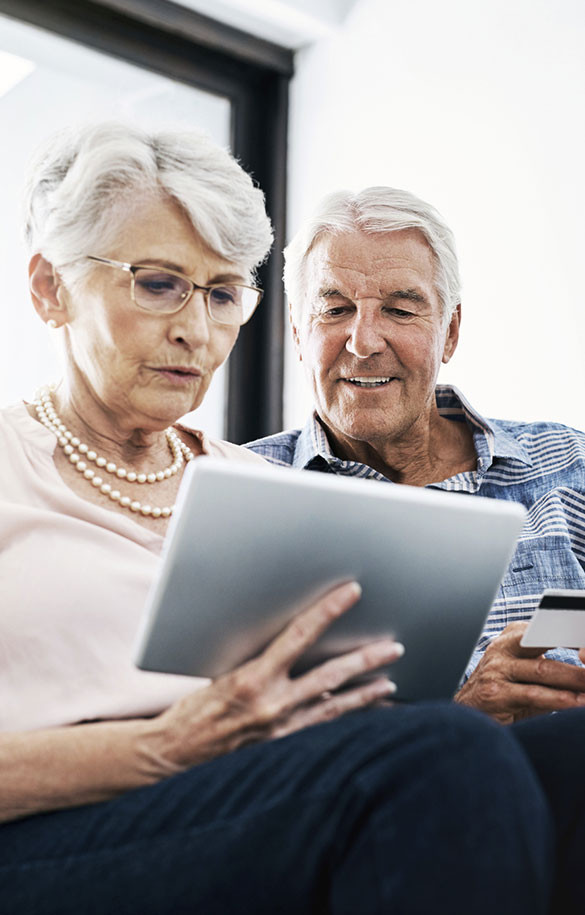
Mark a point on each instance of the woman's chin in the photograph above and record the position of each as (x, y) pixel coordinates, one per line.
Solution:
(168, 407)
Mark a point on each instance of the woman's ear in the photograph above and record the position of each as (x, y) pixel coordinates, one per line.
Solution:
(47, 291)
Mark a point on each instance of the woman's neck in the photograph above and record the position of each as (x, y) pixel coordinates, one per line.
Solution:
(116, 438)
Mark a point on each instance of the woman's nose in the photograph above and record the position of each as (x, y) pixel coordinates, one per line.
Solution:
(190, 325)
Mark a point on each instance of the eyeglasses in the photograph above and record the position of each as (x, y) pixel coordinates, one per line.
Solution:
(166, 292)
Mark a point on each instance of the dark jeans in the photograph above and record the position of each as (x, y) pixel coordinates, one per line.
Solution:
(421, 809)
(555, 745)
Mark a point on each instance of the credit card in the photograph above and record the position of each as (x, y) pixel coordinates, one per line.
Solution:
(558, 621)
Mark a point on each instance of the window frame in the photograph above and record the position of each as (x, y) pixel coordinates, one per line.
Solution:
(254, 75)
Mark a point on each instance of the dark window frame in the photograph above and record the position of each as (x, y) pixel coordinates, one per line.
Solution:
(253, 74)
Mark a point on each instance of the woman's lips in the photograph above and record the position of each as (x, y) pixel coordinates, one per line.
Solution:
(178, 375)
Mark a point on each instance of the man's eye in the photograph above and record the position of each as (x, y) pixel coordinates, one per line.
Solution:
(330, 311)
(401, 313)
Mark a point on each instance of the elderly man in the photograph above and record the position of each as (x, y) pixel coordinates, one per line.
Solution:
(373, 286)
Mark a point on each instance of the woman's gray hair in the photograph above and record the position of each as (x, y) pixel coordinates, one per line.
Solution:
(84, 182)
(375, 209)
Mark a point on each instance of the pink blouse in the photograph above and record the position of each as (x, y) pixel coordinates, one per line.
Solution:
(73, 582)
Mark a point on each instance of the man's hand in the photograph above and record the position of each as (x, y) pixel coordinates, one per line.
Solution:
(511, 682)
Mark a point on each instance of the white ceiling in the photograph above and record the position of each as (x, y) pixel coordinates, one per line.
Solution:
(291, 23)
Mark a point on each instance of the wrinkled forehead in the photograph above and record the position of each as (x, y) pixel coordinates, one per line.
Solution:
(363, 264)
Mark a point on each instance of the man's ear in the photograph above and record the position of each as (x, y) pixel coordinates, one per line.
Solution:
(295, 333)
(452, 337)
(47, 291)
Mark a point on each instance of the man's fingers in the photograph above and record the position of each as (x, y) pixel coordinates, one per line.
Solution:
(509, 642)
(507, 701)
(547, 672)
(309, 624)
(532, 698)
(336, 672)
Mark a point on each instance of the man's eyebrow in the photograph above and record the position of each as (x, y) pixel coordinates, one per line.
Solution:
(409, 295)
(405, 295)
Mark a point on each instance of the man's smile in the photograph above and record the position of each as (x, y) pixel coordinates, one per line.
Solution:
(369, 381)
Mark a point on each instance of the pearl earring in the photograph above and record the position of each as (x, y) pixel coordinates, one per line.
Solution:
(52, 323)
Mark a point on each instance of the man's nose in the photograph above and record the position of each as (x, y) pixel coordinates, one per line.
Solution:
(190, 325)
(368, 334)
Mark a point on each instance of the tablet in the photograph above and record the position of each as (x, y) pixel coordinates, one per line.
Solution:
(558, 621)
(250, 545)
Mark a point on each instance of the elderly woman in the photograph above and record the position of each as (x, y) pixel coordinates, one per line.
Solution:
(123, 791)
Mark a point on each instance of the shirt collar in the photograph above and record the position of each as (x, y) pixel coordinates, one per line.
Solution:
(489, 439)
(313, 449)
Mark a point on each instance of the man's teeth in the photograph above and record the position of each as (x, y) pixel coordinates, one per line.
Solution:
(369, 381)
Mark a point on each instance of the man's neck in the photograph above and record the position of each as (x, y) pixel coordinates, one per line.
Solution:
(435, 453)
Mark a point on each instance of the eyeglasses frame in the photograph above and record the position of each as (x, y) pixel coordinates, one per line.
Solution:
(132, 268)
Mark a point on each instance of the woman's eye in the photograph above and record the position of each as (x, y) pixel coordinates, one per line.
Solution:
(158, 286)
(223, 296)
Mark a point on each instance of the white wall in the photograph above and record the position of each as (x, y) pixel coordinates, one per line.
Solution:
(476, 106)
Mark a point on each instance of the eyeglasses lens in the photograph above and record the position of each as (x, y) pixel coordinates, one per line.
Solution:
(159, 291)
(231, 304)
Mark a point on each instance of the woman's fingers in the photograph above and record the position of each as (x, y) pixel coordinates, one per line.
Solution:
(309, 624)
(329, 707)
(260, 699)
(336, 672)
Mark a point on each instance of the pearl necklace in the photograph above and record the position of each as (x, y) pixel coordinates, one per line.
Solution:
(79, 453)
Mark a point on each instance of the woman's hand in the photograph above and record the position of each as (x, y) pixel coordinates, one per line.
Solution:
(68, 766)
(259, 700)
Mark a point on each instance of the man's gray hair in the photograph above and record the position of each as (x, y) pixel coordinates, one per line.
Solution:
(85, 181)
(373, 210)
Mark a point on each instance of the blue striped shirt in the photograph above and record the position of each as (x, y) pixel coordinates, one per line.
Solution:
(541, 465)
